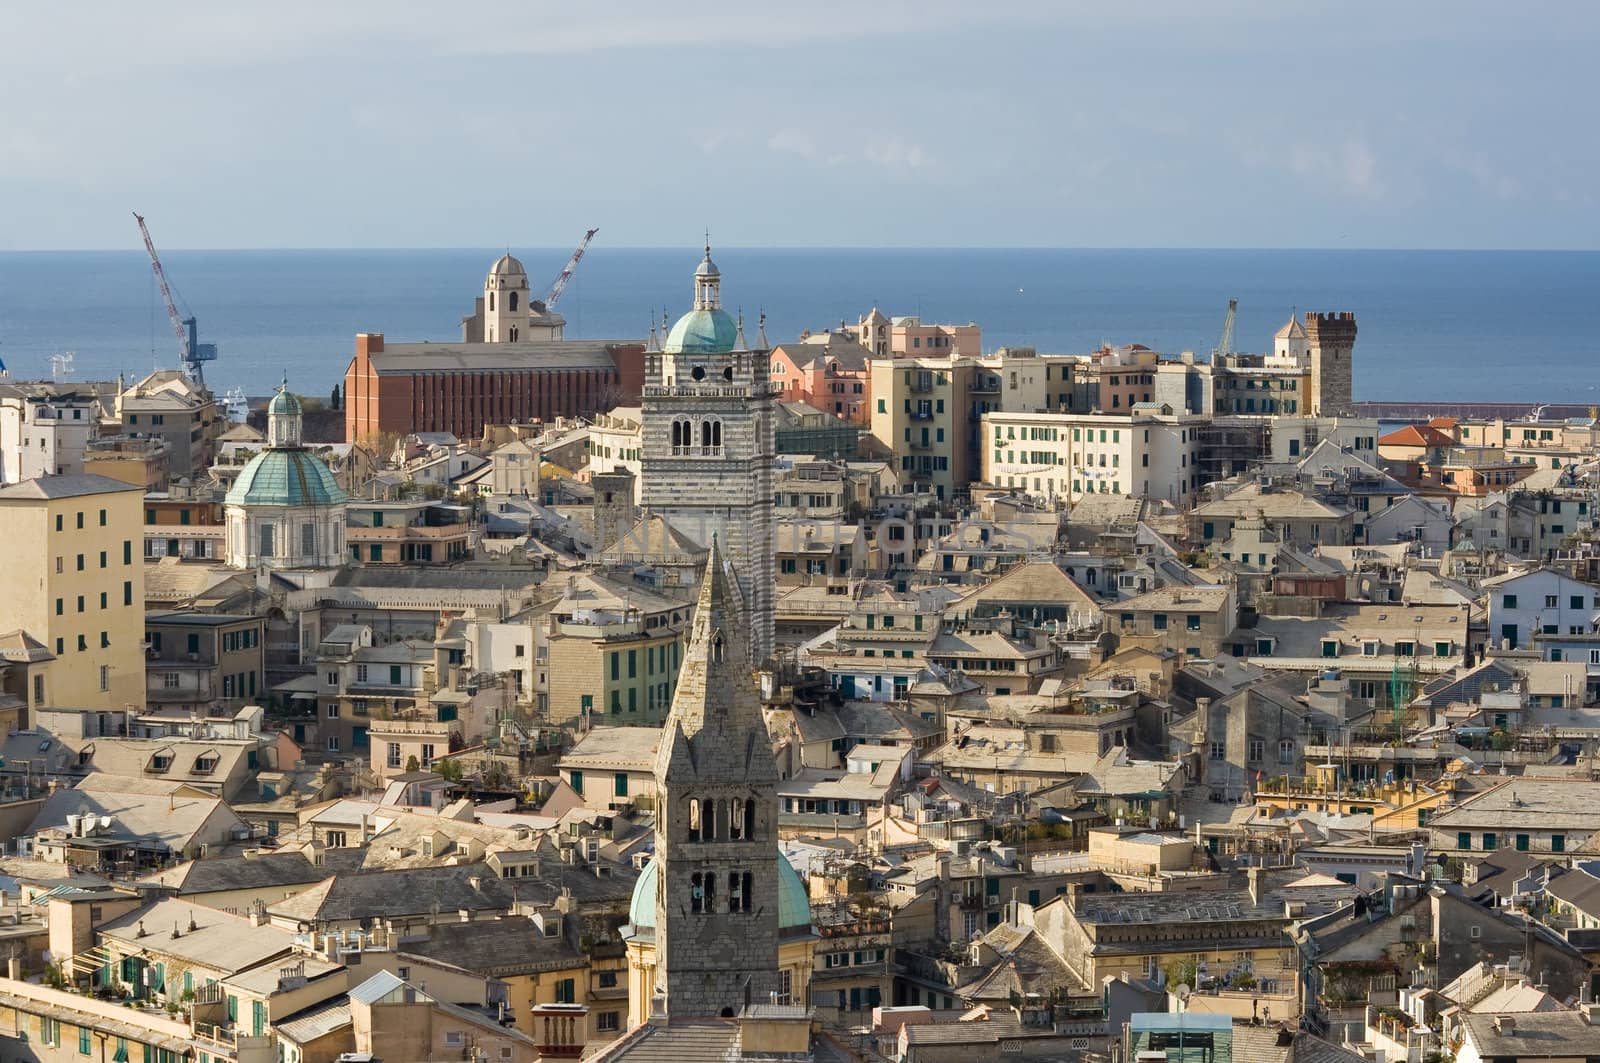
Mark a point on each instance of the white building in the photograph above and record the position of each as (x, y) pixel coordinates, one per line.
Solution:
(1541, 601)
(616, 441)
(42, 432)
(1150, 453)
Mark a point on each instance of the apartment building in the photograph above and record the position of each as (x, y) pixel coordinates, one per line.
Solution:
(407, 533)
(921, 417)
(169, 406)
(616, 441)
(199, 660)
(44, 431)
(1149, 453)
(74, 583)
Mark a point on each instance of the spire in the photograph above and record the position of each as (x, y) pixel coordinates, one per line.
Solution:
(652, 345)
(715, 729)
(739, 343)
(761, 332)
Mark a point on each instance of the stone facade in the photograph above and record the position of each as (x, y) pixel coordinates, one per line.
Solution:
(1331, 341)
(707, 457)
(716, 824)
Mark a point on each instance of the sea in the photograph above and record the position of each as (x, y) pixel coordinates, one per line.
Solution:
(1449, 326)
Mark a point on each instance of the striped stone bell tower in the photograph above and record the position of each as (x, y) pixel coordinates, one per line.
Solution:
(708, 446)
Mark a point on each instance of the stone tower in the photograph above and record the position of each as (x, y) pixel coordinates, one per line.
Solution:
(708, 445)
(613, 507)
(717, 884)
(1331, 341)
(505, 301)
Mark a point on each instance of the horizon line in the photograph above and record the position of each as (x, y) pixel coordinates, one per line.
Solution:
(826, 247)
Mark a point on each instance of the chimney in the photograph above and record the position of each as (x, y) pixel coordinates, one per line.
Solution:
(1072, 896)
(1253, 879)
(258, 913)
(1506, 1025)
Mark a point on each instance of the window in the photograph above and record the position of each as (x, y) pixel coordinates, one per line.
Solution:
(1491, 841)
(333, 744)
(1508, 601)
(619, 784)
(1257, 749)
(1219, 751)
(1286, 751)
(1558, 843)
(1522, 843)
(1463, 840)
(608, 1021)
(333, 710)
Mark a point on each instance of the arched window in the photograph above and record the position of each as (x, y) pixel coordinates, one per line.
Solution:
(491, 300)
(716, 649)
(512, 303)
(513, 336)
(749, 819)
(708, 820)
(694, 819)
(698, 893)
(736, 830)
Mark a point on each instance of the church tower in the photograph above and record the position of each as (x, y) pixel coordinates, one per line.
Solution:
(505, 302)
(717, 876)
(708, 445)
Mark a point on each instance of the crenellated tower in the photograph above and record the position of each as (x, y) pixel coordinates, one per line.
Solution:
(1330, 342)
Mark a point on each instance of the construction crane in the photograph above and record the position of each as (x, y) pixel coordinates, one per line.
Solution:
(565, 275)
(191, 351)
(1225, 344)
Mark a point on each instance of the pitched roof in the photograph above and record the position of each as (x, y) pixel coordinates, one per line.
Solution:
(67, 486)
(1416, 435)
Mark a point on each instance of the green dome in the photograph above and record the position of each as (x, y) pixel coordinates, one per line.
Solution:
(794, 909)
(287, 477)
(283, 404)
(702, 332)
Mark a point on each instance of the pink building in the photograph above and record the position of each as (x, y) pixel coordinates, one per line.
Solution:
(829, 371)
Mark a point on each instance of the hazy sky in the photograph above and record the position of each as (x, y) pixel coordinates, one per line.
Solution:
(366, 123)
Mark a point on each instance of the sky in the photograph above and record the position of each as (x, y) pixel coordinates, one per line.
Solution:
(392, 123)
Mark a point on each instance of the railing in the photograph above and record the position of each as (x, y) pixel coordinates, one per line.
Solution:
(697, 452)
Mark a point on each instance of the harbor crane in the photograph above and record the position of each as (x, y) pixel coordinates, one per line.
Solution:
(191, 351)
(1225, 344)
(565, 275)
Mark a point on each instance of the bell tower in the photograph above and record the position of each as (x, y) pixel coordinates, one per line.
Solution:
(505, 302)
(717, 883)
(707, 459)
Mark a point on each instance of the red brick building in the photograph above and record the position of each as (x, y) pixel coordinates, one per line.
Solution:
(460, 387)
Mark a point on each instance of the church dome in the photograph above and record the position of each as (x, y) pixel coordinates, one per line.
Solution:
(284, 404)
(794, 909)
(507, 265)
(702, 331)
(287, 477)
(707, 268)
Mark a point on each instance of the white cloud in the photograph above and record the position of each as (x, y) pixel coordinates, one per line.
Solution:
(897, 154)
(792, 142)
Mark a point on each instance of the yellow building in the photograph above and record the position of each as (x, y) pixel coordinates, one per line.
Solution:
(74, 581)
